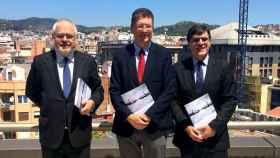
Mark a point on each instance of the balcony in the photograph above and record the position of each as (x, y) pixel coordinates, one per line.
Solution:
(257, 146)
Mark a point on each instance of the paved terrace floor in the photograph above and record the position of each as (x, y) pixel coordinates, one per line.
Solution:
(241, 147)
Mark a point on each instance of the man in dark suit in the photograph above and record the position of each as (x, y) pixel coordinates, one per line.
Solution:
(65, 130)
(198, 74)
(142, 62)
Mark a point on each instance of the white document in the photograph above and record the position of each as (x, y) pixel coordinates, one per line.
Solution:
(139, 99)
(83, 93)
(201, 111)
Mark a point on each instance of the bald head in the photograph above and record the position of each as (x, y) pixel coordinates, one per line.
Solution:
(64, 22)
(64, 34)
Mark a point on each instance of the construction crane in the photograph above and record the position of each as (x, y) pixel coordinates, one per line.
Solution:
(242, 42)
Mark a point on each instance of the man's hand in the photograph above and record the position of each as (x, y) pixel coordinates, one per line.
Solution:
(145, 118)
(206, 131)
(194, 134)
(87, 107)
(138, 121)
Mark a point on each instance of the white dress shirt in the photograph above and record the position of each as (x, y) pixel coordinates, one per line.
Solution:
(137, 51)
(204, 66)
(60, 65)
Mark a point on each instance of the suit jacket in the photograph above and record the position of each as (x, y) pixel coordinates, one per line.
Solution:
(159, 77)
(44, 89)
(220, 86)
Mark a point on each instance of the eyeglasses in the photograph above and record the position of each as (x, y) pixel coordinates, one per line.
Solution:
(144, 26)
(62, 35)
(203, 39)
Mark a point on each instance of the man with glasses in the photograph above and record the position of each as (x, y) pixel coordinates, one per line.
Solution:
(65, 130)
(142, 134)
(198, 74)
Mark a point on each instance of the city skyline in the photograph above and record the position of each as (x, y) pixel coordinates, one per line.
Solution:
(115, 13)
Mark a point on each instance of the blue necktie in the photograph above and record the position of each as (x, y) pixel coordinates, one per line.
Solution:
(199, 77)
(66, 78)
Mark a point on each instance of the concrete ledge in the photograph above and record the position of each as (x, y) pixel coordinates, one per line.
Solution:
(276, 144)
(249, 147)
(33, 127)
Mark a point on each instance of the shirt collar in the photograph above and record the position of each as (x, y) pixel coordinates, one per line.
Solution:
(205, 61)
(137, 49)
(60, 58)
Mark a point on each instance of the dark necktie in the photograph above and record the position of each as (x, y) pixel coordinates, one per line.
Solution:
(199, 77)
(66, 78)
(141, 66)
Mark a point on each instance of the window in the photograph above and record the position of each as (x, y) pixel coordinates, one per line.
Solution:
(23, 116)
(261, 72)
(278, 61)
(249, 72)
(269, 72)
(250, 62)
(10, 76)
(261, 61)
(22, 99)
(270, 61)
(265, 61)
(275, 94)
(7, 99)
(265, 73)
(7, 116)
(36, 114)
(10, 135)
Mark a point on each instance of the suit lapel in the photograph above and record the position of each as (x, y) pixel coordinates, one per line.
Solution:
(77, 68)
(150, 60)
(78, 64)
(148, 65)
(54, 71)
(132, 63)
(209, 71)
(189, 77)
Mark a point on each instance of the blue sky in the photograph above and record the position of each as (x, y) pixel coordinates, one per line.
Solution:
(118, 12)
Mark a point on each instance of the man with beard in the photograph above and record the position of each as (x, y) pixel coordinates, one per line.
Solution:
(65, 130)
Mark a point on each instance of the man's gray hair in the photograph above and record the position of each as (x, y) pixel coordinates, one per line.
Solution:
(64, 20)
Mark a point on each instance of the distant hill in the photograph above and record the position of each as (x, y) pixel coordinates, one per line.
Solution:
(39, 25)
(180, 28)
(44, 24)
(34, 24)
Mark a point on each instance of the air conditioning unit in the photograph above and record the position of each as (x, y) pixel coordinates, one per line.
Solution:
(276, 82)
